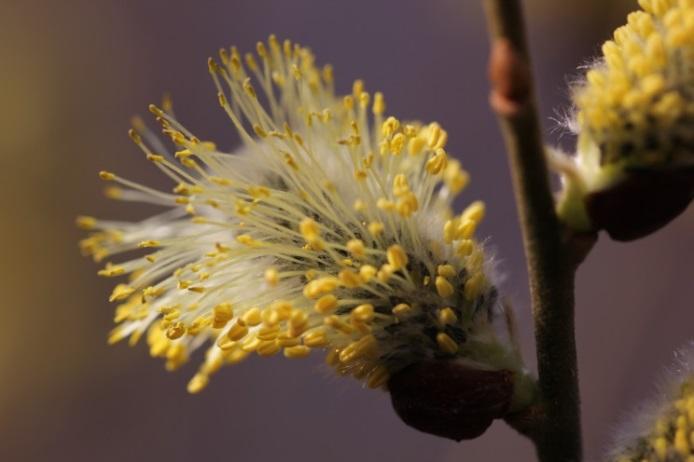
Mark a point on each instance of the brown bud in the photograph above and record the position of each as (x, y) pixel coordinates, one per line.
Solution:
(509, 76)
(645, 201)
(448, 399)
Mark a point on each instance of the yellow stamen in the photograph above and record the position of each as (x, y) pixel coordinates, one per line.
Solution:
(443, 287)
(446, 343)
(222, 314)
(397, 258)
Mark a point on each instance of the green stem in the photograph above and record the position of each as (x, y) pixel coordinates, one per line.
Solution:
(555, 423)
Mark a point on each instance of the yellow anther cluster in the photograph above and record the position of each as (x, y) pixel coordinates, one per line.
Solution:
(375, 228)
(311, 232)
(349, 278)
(272, 276)
(222, 313)
(86, 223)
(107, 176)
(111, 270)
(460, 230)
(444, 287)
(454, 177)
(326, 304)
(438, 162)
(447, 316)
(406, 203)
(397, 258)
(317, 236)
(446, 343)
(356, 248)
(318, 287)
(121, 292)
(636, 105)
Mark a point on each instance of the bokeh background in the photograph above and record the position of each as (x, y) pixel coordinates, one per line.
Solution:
(73, 72)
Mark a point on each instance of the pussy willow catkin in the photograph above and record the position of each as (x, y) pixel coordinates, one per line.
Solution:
(663, 431)
(634, 111)
(330, 229)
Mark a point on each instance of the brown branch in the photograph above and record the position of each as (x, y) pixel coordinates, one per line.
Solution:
(554, 423)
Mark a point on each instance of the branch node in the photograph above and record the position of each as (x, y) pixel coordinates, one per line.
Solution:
(510, 79)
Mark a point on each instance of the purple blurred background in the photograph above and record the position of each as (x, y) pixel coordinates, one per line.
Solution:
(71, 75)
